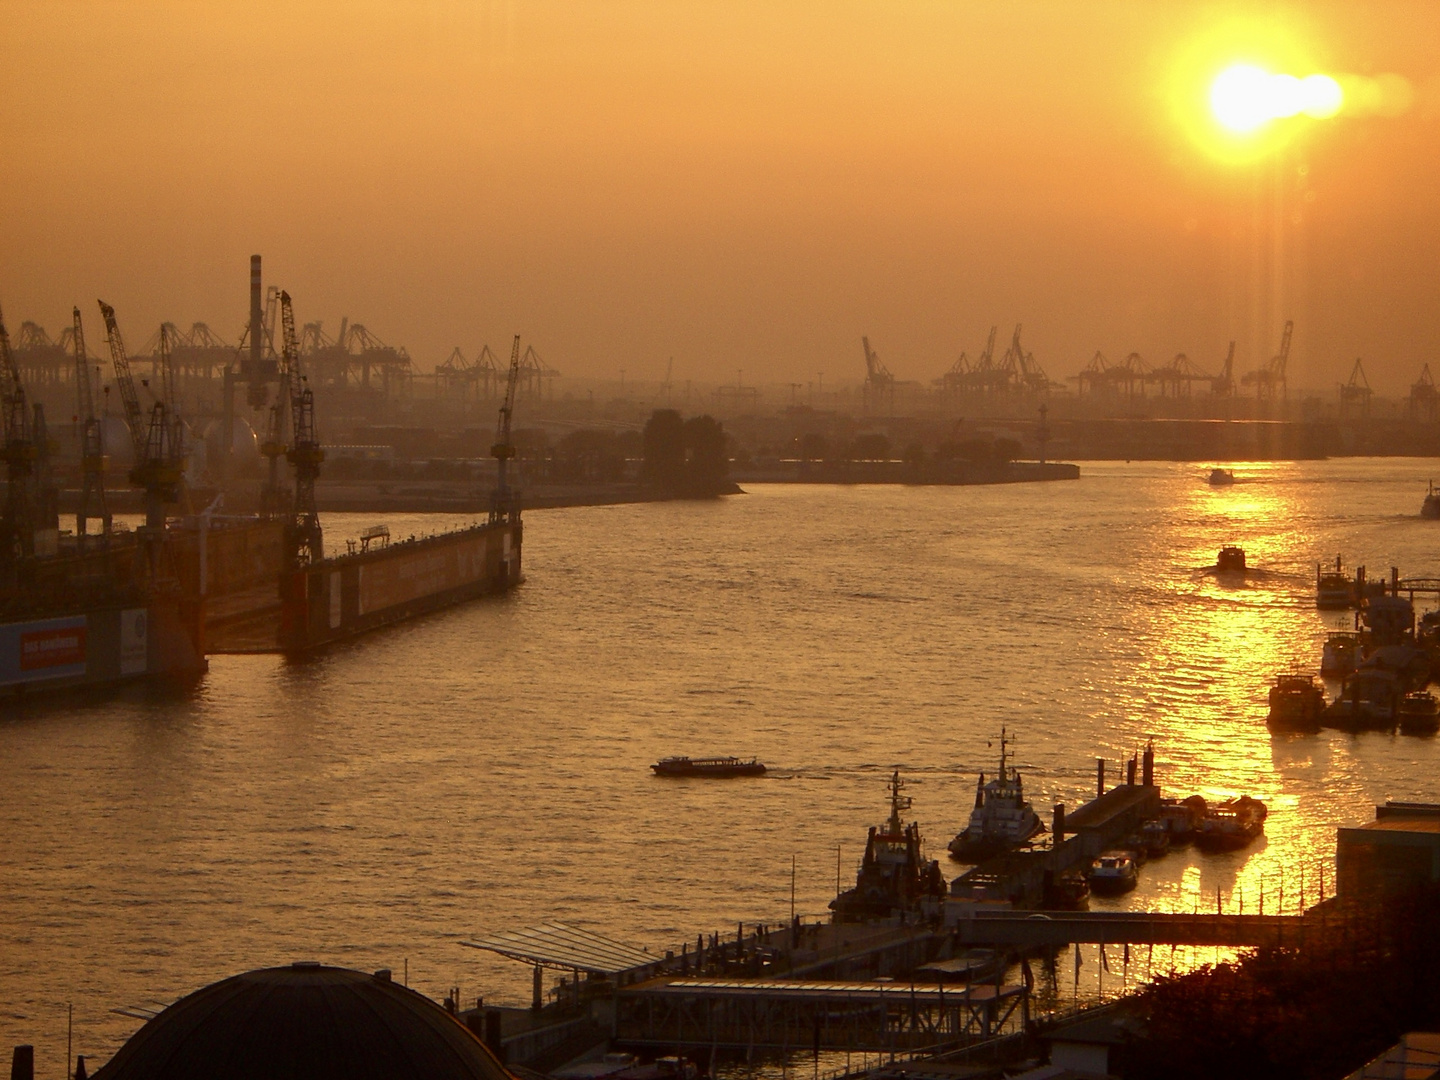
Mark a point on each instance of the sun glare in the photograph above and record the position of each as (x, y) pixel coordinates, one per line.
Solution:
(1244, 97)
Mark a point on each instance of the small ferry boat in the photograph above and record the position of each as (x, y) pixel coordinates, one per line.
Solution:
(1340, 654)
(1333, 590)
(1231, 825)
(1230, 560)
(708, 767)
(1296, 703)
(894, 876)
(1002, 820)
(1430, 508)
(1221, 478)
(1419, 714)
(1113, 873)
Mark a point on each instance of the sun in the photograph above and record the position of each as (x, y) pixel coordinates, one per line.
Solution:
(1244, 98)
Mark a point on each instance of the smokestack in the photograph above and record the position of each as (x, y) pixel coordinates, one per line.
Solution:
(257, 315)
(1099, 777)
(1147, 766)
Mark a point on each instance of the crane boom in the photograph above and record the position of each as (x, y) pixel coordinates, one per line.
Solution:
(92, 442)
(504, 450)
(84, 388)
(304, 538)
(124, 381)
(17, 526)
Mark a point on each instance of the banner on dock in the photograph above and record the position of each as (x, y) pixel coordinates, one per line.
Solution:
(49, 649)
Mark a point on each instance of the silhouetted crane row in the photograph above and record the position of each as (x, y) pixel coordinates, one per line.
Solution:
(506, 504)
(1355, 394)
(1017, 372)
(1223, 385)
(158, 445)
(1266, 379)
(17, 529)
(93, 462)
(1423, 400)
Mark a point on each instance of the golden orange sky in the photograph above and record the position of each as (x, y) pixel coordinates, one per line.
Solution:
(741, 185)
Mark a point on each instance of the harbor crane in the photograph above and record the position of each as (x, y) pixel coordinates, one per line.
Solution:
(1223, 385)
(1423, 397)
(93, 462)
(17, 528)
(505, 504)
(158, 444)
(1355, 394)
(1266, 379)
(304, 539)
(879, 383)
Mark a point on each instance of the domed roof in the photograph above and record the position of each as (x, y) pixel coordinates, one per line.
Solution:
(303, 1021)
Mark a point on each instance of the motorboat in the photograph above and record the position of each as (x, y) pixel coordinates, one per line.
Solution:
(1001, 820)
(1368, 702)
(1182, 817)
(707, 767)
(1221, 478)
(1430, 508)
(1113, 873)
(1068, 892)
(1231, 825)
(1333, 590)
(1230, 560)
(894, 876)
(1340, 655)
(1296, 703)
(1419, 714)
(1155, 838)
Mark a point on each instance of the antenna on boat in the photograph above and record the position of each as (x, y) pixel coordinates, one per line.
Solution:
(898, 802)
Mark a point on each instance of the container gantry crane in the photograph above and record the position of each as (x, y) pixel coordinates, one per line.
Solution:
(93, 462)
(159, 453)
(506, 503)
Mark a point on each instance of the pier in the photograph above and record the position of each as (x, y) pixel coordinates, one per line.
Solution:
(1032, 929)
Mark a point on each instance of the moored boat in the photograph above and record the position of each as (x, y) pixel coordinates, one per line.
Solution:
(1430, 508)
(1182, 817)
(894, 876)
(1001, 820)
(1340, 654)
(1296, 703)
(1333, 590)
(1155, 837)
(1069, 891)
(707, 767)
(1419, 714)
(1368, 702)
(1113, 873)
(1231, 824)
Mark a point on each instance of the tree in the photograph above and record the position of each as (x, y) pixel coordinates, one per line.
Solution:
(707, 463)
(663, 467)
(688, 458)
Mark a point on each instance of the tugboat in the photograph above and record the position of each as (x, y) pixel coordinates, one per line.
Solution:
(1231, 825)
(1230, 560)
(1419, 714)
(1002, 820)
(1296, 703)
(1430, 508)
(709, 767)
(1221, 478)
(1333, 591)
(1182, 818)
(1113, 873)
(1340, 654)
(895, 877)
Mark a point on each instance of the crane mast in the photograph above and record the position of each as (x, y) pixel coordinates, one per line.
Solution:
(17, 527)
(304, 537)
(93, 462)
(504, 504)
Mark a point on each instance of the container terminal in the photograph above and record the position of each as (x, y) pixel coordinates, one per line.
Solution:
(103, 604)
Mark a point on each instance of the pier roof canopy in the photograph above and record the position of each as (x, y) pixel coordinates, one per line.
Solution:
(560, 945)
(304, 1022)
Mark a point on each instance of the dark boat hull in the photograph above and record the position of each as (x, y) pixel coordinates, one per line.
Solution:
(711, 772)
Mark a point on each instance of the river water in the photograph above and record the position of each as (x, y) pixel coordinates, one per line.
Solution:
(487, 767)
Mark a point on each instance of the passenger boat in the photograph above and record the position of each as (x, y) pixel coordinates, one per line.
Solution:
(1419, 714)
(894, 876)
(1340, 654)
(1113, 873)
(1231, 825)
(1230, 560)
(1182, 818)
(1221, 478)
(1333, 591)
(1368, 702)
(1296, 703)
(1430, 508)
(708, 767)
(1002, 820)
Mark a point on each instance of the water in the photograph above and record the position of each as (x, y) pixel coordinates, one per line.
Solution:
(487, 766)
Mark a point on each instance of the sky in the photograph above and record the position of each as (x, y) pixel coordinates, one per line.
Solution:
(746, 187)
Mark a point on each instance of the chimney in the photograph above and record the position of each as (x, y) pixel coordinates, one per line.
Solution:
(1099, 777)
